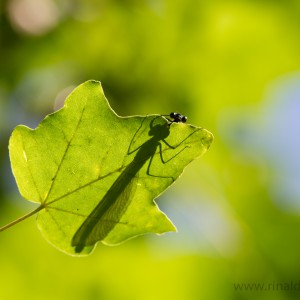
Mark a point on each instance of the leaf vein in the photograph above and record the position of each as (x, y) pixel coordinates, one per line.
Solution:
(85, 185)
(64, 155)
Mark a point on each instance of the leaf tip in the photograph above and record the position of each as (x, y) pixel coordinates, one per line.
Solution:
(207, 139)
(93, 81)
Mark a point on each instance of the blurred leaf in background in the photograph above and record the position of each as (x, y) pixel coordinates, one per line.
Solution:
(232, 67)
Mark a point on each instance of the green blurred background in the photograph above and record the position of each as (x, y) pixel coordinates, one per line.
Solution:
(232, 67)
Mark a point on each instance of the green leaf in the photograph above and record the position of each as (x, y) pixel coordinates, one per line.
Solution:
(95, 174)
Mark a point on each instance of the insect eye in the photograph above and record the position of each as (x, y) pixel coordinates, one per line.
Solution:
(184, 119)
(172, 115)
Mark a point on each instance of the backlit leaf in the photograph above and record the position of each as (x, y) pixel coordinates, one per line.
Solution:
(95, 174)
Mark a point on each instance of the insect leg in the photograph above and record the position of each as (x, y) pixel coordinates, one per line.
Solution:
(163, 161)
(134, 137)
(174, 147)
(149, 174)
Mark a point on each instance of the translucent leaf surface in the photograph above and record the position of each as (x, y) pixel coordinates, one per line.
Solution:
(96, 174)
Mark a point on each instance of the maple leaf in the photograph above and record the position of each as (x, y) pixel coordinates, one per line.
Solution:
(95, 175)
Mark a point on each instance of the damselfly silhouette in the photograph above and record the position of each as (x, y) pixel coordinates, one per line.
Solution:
(107, 214)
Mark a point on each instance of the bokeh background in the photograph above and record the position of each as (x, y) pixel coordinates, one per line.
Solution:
(232, 67)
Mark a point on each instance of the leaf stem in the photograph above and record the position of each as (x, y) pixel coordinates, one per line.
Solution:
(21, 218)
